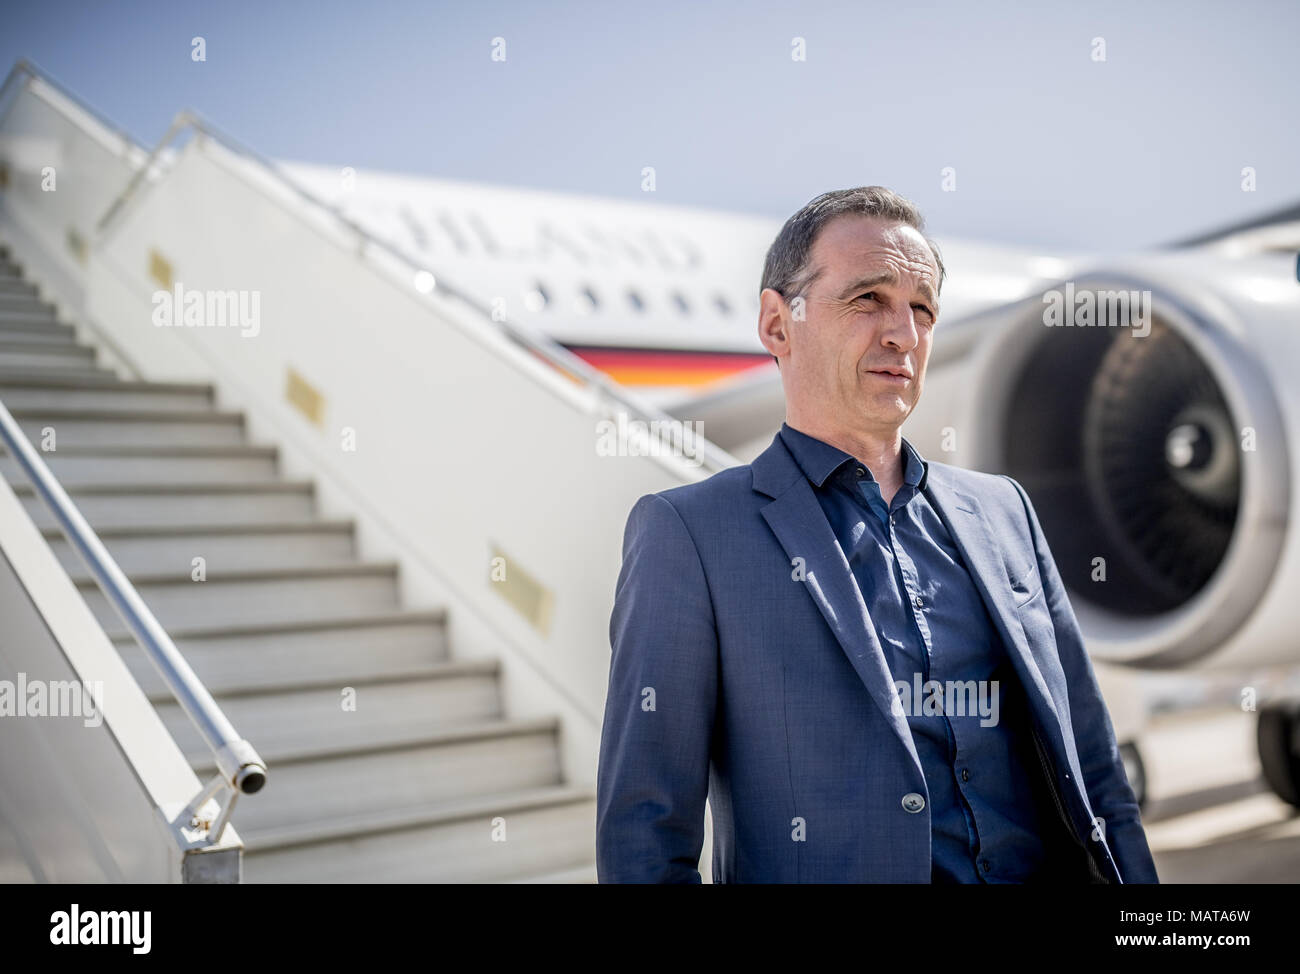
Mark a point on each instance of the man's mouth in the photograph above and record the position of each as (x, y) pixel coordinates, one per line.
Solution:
(900, 375)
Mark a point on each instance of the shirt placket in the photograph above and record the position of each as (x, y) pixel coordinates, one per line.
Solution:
(911, 585)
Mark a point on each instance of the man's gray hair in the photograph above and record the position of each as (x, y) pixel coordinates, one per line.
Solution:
(786, 269)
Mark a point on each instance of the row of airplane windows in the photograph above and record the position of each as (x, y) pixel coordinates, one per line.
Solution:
(587, 301)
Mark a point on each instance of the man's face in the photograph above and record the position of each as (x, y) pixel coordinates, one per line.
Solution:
(858, 360)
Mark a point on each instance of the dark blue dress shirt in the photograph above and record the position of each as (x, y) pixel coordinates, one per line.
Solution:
(986, 823)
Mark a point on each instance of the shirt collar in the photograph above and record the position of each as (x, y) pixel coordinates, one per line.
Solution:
(818, 459)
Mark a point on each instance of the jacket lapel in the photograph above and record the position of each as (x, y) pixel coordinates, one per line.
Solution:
(961, 512)
(962, 515)
(799, 523)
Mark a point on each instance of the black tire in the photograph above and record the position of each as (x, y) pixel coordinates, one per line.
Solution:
(1278, 734)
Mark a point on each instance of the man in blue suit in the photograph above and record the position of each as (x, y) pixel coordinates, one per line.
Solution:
(866, 661)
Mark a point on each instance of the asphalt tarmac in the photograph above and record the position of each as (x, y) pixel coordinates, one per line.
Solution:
(1210, 817)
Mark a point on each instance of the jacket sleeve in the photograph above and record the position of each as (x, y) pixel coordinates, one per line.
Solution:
(653, 776)
(1108, 789)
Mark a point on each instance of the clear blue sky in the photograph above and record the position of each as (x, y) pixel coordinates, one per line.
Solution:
(1050, 147)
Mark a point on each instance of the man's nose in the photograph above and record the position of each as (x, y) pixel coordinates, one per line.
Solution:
(901, 332)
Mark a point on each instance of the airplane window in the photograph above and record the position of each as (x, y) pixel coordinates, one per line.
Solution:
(414, 228)
(587, 301)
(683, 305)
(537, 298)
(635, 300)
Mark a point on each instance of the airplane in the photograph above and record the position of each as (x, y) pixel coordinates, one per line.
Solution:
(1154, 426)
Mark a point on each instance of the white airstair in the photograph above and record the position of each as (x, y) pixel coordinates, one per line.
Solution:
(412, 731)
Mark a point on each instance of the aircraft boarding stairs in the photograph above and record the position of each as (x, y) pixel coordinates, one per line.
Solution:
(407, 786)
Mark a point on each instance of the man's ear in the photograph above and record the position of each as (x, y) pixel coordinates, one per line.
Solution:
(774, 323)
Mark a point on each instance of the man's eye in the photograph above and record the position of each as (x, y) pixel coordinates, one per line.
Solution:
(921, 307)
(869, 294)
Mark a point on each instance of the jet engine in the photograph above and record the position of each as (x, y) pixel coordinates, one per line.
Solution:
(1151, 410)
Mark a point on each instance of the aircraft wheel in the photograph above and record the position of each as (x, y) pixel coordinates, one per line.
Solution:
(1278, 733)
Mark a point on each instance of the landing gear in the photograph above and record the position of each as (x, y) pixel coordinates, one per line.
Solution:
(1135, 771)
(1278, 734)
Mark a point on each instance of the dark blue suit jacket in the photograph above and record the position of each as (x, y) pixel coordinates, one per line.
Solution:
(745, 668)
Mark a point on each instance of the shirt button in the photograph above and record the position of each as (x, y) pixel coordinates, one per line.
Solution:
(861, 472)
(919, 601)
(913, 802)
(965, 775)
(984, 865)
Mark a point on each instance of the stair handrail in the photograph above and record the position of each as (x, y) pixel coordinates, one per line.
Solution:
(658, 422)
(25, 68)
(239, 767)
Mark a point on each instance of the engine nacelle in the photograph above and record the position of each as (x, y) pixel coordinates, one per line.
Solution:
(1156, 447)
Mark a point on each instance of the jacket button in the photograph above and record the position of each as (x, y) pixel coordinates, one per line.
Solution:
(913, 802)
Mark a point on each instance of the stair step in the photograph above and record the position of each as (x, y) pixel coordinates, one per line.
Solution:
(313, 715)
(22, 354)
(29, 342)
(131, 427)
(28, 309)
(381, 646)
(75, 466)
(78, 378)
(306, 592)
(153, 549)
(123, 505)
(9, 284)
(314, 783)
(545, 829)
(23, 302)
(77, 371)
(25, 391)
(11, 271)
(35, 329)
(37, 334)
